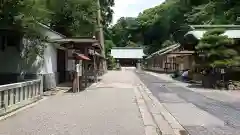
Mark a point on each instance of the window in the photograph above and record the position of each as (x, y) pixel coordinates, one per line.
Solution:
(10, 39)
(13, 40)
(3, 42)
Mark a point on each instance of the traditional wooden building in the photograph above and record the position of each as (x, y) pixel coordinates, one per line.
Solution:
(47, 65)
(22, 82)
(196, 33)
(182, 56)
(170, 59)
(191, 40)
(128, 56)
(84, 60)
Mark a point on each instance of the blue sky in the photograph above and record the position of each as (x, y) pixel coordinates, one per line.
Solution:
(131, 8)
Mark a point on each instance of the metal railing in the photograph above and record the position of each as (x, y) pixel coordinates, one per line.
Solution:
(17, 95)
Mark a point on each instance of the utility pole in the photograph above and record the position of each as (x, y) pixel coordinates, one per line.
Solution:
(100, 34)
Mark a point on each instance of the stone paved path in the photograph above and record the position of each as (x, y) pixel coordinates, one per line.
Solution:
(198, 112)
(108, 108)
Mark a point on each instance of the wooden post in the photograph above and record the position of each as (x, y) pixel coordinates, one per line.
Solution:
(98, 66)
(94, 67)
(80, 74)
(75, 78)
(101, 36)
(85, 67)
(74, 83)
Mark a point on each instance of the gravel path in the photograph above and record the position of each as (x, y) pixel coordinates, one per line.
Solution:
(107, 109)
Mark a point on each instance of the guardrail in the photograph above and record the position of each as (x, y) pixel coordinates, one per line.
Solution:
(17, 95)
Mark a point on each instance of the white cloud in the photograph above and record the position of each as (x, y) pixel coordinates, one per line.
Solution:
(131, 8)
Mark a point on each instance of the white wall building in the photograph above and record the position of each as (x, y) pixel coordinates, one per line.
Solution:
(127, 56)
(48, 66)
(127, 53)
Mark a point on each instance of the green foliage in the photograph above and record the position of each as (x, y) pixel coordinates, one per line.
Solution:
(10, 11)
(153, 26)
(131, 44)
(69, 17)
(108, 46)
(121, 31)
(218, 50)
(78, 17)
(214, 12)
(73, 17)
(107, 11)
(111, 62)
(168, 43)
(18, 15)
(171, 19)
(19, 18)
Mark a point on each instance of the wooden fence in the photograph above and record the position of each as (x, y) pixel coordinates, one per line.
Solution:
(17, 95)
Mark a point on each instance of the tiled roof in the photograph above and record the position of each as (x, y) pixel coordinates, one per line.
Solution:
(198, 34)
(164, 50)
(232, 31)
(127, 53)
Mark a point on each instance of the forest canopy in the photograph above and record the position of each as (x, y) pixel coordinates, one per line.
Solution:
(69, 17)
(171, 19)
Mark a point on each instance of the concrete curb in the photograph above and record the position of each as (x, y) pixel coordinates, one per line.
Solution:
(94, 85)
(166, 123)
(150, 126)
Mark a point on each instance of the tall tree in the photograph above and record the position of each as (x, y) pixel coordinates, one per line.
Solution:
(218, 50)
(122, 30)
(107, 11)
(79, 17)
(171, 19)
(72, 17)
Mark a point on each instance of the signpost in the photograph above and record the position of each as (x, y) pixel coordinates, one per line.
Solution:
(79, 68)
(222, 71)
(222, 75)
(76, 78)
(78, 75)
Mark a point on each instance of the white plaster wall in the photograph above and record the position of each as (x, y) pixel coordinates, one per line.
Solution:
(127, 53)
(50, 53)
(10, 61)
(50, 59)
(10, 57)
(70, 63)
